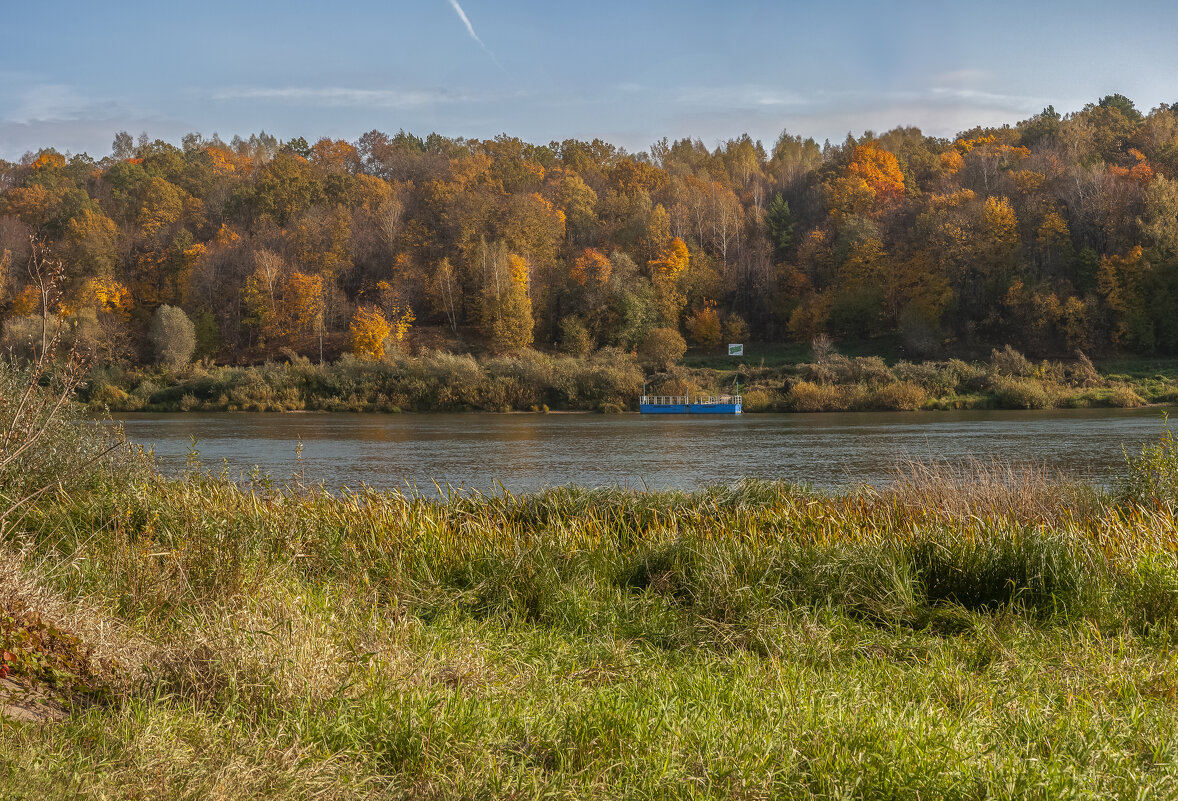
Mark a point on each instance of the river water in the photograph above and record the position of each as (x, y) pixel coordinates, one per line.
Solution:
(526, 452)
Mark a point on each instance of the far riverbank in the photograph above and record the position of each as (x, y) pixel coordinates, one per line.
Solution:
(611, 381)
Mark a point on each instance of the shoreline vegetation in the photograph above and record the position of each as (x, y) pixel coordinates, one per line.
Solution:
(611, 380)
(965, 632)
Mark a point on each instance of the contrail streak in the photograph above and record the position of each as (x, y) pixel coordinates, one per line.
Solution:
(465, 21)
(470, 29)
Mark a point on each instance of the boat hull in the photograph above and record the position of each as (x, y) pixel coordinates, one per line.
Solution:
(690, 408)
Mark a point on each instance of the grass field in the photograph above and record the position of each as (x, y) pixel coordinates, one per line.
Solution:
(788, 354)
(986, 632)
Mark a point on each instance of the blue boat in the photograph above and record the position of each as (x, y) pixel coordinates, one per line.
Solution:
(685, 404)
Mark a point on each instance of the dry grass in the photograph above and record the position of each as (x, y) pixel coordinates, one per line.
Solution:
(117, 654)
(991, 488)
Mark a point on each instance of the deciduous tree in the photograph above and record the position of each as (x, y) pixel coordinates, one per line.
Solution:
(369, 330)
(173, 336)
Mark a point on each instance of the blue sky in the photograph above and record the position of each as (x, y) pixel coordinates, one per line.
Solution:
(74, 73)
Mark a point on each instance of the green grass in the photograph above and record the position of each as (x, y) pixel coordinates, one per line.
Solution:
(755, 642)
(783, 354)
(1140, 367)
(787, 354)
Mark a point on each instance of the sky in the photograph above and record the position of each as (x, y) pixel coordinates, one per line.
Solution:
(74, 73)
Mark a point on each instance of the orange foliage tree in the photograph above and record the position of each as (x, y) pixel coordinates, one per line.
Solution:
(871, 182)
(592, 268)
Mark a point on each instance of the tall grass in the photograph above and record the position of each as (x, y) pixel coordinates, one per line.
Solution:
(601, 643)
(1151, 478)
(991, 489)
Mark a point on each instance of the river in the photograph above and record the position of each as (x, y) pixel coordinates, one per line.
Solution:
(526, 452)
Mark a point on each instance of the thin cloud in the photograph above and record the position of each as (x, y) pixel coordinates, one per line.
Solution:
(49, 101)
(935, 114)
(762, 99)
(745, 96)
(341, 97)
(967, 77)
(84, 135)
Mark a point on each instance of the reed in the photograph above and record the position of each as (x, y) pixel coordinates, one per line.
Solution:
(991, 488)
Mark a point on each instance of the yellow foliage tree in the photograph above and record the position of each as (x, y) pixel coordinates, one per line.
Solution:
(400, 317)
(302, 301)
(951, 161)
(704, 325)
(323, 241)
(33, 204)
(986, 155)
(109, 296)
(163, 204)
(672, 261)
(284, 307)
(402, 320)
(224, 161)
(369, 330)
(999, 232)
(261, 294)
(90, 241)
(27, 302)
(658, 232)
(1053, 239)
(579, 203)
(1119, 280)
(665, 272)
(507, 306)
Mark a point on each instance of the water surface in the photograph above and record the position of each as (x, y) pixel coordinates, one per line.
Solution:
(526, 452)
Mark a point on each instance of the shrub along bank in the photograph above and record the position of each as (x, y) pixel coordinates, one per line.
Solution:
(612, 380)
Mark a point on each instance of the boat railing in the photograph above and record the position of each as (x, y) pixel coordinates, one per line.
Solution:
(716, 400)
(697, 400)
(664, 400)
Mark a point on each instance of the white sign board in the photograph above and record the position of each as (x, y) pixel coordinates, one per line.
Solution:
(735, 350)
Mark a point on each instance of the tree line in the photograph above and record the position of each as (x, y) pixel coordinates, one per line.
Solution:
(1057, 234)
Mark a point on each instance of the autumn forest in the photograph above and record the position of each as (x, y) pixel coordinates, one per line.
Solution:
(1056, 235)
